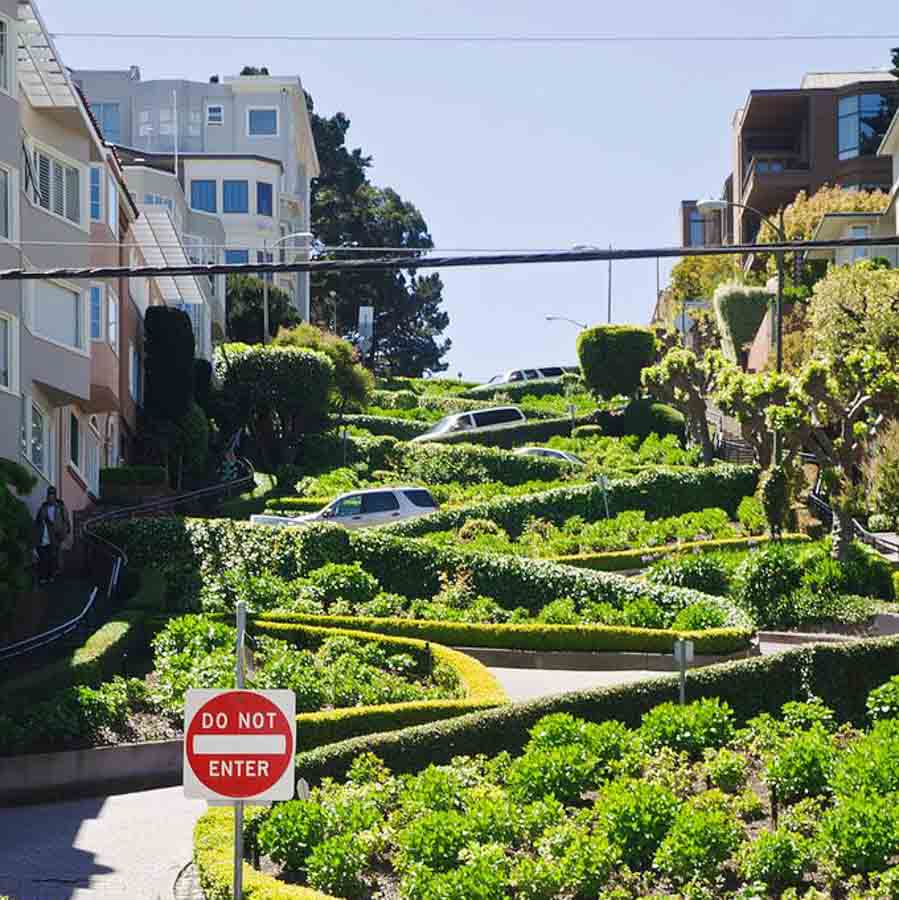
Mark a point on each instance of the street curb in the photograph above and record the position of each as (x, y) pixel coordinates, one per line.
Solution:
(33, 777)
(582, 661)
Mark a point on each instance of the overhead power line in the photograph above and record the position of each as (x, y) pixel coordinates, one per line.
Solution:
(558, 39)
(439, 262)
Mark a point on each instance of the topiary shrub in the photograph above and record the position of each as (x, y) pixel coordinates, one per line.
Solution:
(643, 417)
(474, 528)
(774, 491)
(612, 357)
(766, 575)
(739, 310)
(344, 582)
(751, 515)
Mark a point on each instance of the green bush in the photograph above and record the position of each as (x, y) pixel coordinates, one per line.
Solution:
(699, 572)
(802, 715)
(642, 418)
(765, 575)
(635, 816)
(612, 357)
(870, 765)
(802, 767)
(698, 617)
(381, 426)
(860, 833)
(336, 864)
(508, 437)
(751, 515)
(291, 832)
(562, 772)
(694, 728)
(726, 770)
(132, 475)
(881, 522)
(586, 431)
(338, 581)
(701, 839)
(515, 391)
(776, 858)
(433, 840)
(883, 701)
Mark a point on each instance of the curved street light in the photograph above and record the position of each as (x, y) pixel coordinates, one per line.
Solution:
(580, 325)
(707, 206)
(265, 246)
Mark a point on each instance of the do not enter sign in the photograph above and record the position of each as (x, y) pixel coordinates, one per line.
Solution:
(239, 745)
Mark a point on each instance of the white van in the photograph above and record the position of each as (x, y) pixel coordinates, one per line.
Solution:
(492, 418)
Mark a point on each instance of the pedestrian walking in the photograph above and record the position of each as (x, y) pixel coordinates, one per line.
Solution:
(51, 528)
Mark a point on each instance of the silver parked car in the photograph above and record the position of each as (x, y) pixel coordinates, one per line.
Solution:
(362, 509)
(494, 417)
(550, 453)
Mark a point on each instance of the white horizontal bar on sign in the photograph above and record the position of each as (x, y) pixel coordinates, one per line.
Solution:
(239, 744)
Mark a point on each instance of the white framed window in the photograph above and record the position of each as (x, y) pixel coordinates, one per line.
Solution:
(9, 353)
(8, 194)
(7, 54)
(112, 319)
(135, 378)
(74, 454)
(92, 445)
(263, 121)
(215, 114)
(96, 317)
(96, 194)
(112, 204)
(857, 233)
(58, 312)
(112, 441)
(37, 437)
(56, 184)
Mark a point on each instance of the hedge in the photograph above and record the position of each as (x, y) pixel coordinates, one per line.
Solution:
(188, 551)
(402, 429)
(131, 475)
(96, 660)
(840, 674)
(612, 357)
(297, 504)
(538, 387)
(641, 418)
(640, 557)
(585, 638)
(214, 861)
(482, 690)
(657, 493)
(509, 437)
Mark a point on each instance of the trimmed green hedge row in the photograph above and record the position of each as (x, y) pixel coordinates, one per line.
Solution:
(96, 660)
(538, 387)
(840, 674)
(657, 493)
(641, 418)
(586, 638)
(401, 429)
(130, 475)
(297, 504)
(640, 557)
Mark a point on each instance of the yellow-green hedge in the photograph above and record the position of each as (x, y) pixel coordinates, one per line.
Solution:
(589, 638)
(482, 690)
(214, 860)
(297, 504)
(640, 557)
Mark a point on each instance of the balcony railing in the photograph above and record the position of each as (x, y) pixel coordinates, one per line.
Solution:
(772, 165)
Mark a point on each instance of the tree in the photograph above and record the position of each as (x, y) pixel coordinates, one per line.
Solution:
(803, 216)
(697, 277)
(347, 210)
(612, 357)
(856, 306)
(279, 394)
(685, 381)
(836, 410)
(245, 302)
(707, 335)
(352, 384)
(15, 532)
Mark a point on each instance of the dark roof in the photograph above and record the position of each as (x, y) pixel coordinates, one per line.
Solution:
(133, 154)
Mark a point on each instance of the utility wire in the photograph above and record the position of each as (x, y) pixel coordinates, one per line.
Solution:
(438, 262)
(559, 39)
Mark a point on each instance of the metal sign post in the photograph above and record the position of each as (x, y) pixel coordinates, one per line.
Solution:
(683, 656)
(238, 804)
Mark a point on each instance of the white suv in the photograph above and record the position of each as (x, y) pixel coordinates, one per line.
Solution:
(361, 509)
(493, 418)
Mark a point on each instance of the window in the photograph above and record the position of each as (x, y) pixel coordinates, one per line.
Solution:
(263, 257)
(74, 441)
(856, 233)
(109, 120)
(697, 229)
(38, 451)
(57, 314)
(862, 123)
(420, 498)
(91, 470)
(215, 115)
(497, 417)
(5, 55)
(57, 187)
(349, 506)
(96, 194)
(96, 312)
(159, 200)
(237, 257)
(112, 320)
(262, 122)
(235, 197)
(135, 380)
(380, 502)
(9, 353)
(5, 202)
(264, 198)
(112, 205)
(202, 195)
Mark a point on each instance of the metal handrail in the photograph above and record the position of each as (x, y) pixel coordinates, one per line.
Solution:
(120, 557)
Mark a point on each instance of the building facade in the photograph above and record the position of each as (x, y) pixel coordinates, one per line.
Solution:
(245, 154)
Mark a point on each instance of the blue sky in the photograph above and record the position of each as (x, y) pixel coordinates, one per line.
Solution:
(515, 146)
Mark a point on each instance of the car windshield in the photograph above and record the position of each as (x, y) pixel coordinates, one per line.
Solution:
(450, 423)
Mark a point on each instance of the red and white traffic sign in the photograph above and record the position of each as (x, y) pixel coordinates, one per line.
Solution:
(239, 745)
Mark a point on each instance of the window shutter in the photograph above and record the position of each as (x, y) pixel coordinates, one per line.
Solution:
(42, 188)
(73, 194)
(58, 191)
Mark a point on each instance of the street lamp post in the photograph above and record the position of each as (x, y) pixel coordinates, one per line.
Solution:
(710, 206)
(286, 237)
(580, 325)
